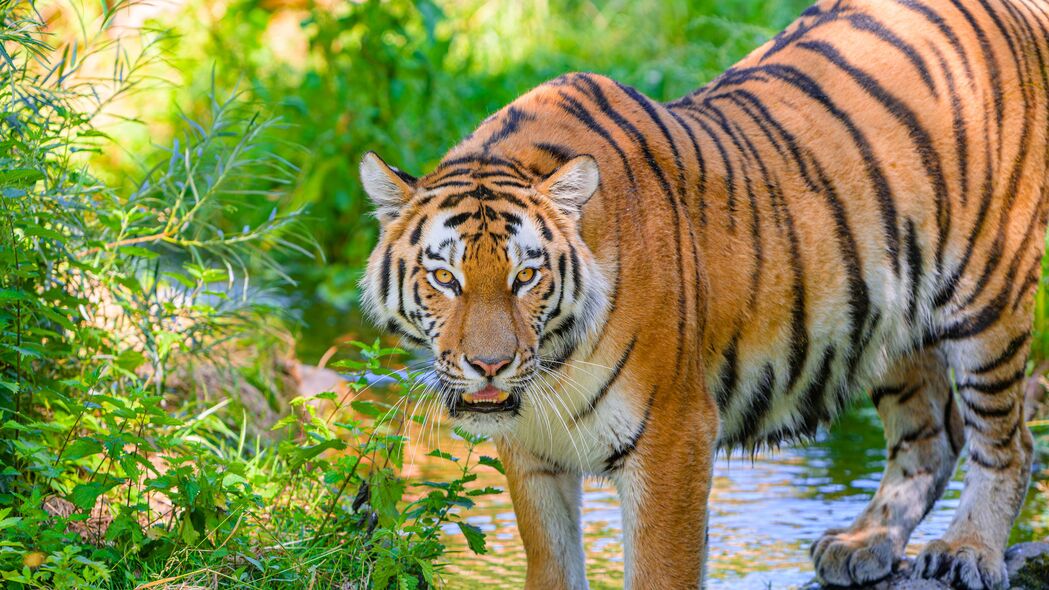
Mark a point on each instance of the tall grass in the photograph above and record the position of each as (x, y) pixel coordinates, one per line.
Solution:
(114, 475)
(138, 245)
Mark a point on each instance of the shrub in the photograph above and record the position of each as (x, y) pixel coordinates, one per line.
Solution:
(110, 479)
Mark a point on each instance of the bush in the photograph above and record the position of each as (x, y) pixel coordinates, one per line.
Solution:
(110, 478)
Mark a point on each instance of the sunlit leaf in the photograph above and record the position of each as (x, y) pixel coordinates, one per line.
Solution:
(474, 537)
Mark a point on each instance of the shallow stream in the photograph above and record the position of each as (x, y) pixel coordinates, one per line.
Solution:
(764, 512)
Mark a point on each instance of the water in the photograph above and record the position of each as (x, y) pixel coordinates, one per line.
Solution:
(764, 513)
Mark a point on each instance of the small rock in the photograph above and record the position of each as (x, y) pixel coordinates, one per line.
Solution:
(1019, 554)
(898, 581)
(1015, 558)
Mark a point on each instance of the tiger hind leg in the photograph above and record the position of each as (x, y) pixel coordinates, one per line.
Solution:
(989, 371)
(924, 433)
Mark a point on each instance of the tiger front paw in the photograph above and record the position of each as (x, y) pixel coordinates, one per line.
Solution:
(853, 558)
(962, 565)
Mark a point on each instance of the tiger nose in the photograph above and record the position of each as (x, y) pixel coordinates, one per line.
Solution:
(489, 367)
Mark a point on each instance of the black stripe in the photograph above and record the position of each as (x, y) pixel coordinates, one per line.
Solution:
(511, 124)
(753, 292)
(914, 266)
(559, 152)
(758, 405)
(864, 22)
(1003, 441)
(609, 382)
(1014, 346)
(394, 327)
(384, 274)
(451, 183)
(577, 277)
(979, 459)
(927, 153)
(573, 107)
(992, 68)
(886, 204)
(993, 387)
(933, 17)
(812, 401)
(729, 374)
(859, 296)
(417, 232)
(924, 433)
(975, 324)
(701, 166)
(730, 171)
(619, 456)
(457, 219)
(961, 142)
(880, 393)
(400, 285)
(988, 412)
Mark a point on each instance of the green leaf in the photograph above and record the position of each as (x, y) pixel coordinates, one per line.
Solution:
(19, 177)
(474, 537)
(367, 408)
(386, 492)
(43, 232)
(285, 422)
(305, 454)
(473, 439)
(138, 252)
(442, 455)
(492, 462)
(181, 279)
(406, 581)
(83, 447)
(85, 495)
(13, 295)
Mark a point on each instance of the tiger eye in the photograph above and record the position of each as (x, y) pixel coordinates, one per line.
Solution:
(443, 276)
(525, 275)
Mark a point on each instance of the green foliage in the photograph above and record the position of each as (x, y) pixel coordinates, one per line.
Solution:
(409, 78)
(109, 478)
(124, 264)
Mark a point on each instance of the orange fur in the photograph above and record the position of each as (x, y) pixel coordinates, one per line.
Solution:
(864, 190)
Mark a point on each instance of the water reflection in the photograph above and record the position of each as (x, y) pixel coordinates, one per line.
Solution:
(764, 515)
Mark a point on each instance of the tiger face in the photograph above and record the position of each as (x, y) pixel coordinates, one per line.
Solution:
(486, 268)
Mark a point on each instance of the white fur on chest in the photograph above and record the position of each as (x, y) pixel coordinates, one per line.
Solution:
(558, 424)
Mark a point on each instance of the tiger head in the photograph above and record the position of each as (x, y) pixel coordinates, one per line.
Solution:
(484, 264)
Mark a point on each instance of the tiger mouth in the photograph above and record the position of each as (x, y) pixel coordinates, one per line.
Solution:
(486, 400)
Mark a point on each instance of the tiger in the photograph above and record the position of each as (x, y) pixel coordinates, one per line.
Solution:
(617, 287)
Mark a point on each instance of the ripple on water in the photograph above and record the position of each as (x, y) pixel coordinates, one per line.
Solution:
(764, 514)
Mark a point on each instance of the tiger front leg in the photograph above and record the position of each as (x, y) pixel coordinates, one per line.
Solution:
(546, 502)
(664, 477)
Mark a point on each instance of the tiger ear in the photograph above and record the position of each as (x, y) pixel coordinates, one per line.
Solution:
(572, 185)
(387, 187)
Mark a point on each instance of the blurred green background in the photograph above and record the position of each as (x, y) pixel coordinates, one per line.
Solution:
(408, 79)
